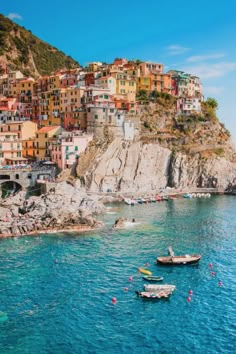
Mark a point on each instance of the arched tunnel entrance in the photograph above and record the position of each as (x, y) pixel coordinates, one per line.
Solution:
(9, 188)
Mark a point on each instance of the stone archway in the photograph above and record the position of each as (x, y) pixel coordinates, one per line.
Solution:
(9, 188)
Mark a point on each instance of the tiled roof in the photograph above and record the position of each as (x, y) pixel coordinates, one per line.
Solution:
(48, 129)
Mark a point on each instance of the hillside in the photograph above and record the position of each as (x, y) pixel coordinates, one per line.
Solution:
(172, 150)
(23, 51)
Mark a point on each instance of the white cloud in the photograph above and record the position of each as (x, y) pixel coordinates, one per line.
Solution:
(209, 71)
(14, 15)
(197, 58)
(177, 49)
(213, 90)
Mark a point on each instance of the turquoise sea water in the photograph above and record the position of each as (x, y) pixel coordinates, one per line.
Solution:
(56, 290)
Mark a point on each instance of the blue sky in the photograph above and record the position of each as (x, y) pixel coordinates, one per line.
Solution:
(198, 37)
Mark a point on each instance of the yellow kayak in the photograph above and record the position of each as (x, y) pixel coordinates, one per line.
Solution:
(145, 271)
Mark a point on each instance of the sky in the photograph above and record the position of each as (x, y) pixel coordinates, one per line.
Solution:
(197, 37)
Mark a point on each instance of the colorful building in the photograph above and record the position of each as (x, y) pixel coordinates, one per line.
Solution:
(43, 136)
(23, 129)
(10, 149)
(67, 146)
(148, 68)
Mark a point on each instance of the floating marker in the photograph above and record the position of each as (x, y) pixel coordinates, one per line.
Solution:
(210, 265)
(189, 299)
(126, 289)
(130, 278)
(220, 283)
(147, 264)
(213, 274)
(190, 292)
(113, 300)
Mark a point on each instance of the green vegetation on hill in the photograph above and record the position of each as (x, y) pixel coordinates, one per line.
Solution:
(25, 52)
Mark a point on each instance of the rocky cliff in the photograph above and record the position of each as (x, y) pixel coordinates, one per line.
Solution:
(174, 151)
(64, 207)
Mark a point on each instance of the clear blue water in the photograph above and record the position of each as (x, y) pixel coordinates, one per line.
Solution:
(56, 290)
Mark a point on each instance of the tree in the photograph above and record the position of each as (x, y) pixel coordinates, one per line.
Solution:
(211, 102)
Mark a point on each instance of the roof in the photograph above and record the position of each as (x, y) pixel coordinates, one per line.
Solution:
(48, 129)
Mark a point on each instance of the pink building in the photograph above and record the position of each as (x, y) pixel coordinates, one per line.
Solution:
(66, 148)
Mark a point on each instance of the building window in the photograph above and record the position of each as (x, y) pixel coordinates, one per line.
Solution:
(96, 116)
(76, 148)
(112, 110)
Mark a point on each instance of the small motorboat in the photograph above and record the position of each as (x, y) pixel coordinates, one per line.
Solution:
(152, 199)
(178, 260)
(151, 295)
(130, 201)
(152, 278)
(145, 271)
(162, 287)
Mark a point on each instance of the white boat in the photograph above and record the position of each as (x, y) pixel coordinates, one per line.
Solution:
(130, 201)
(159, 287)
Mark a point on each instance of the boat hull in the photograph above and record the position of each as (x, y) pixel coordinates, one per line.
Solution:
(145, 271)
(152, 278)
(179, 260)
(153, 295)
(159, 288)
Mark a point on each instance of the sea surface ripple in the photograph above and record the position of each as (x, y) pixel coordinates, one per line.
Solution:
(56, 290)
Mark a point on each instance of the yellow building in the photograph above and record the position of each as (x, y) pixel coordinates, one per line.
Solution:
(43, 136)
(23, 129)
(24, 89)
(28, 146)
(125, 85)
(144, 83)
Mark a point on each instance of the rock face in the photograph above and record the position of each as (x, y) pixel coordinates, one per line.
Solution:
(64, 207)
(141, 167)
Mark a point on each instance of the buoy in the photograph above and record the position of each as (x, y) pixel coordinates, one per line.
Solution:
(130, 278)
(190, 292)
(147, 264)
(189, 299)
(213, 274)
(220, 283)
(210, 265)
(113, 300)
(126, 289)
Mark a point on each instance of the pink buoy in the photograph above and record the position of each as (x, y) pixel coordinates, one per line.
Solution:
(213, 274)
(113, 300)
(130, 278)
(189, 299)
(220, 283)
(147, 264)
(210, 265)
(126, 289)
(190, 292)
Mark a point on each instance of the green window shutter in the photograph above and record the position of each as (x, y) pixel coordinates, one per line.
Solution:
(76, 148)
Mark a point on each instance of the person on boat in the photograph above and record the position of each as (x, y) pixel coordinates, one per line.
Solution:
(133, 220)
